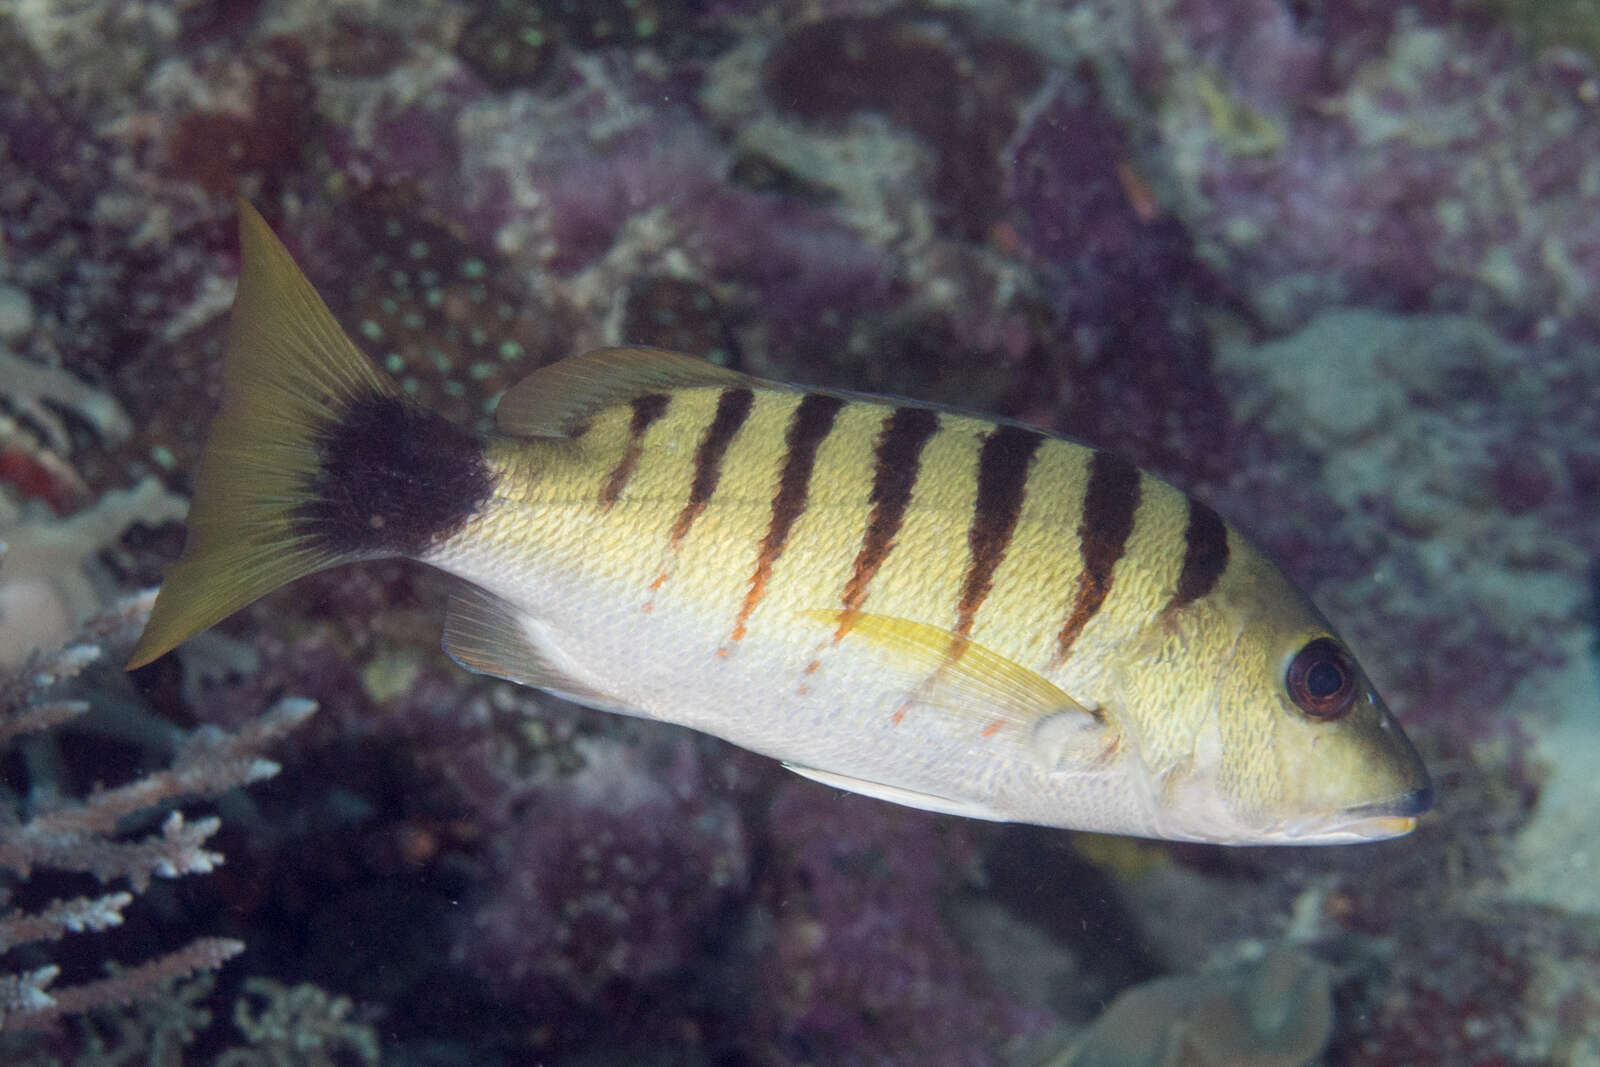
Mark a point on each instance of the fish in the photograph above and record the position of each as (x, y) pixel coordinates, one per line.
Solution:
(956, 613)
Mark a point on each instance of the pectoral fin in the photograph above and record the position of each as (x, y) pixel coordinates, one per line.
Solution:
(486, 635)
(894, 794)
(975, 682)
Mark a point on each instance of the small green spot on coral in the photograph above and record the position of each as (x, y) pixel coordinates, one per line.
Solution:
(412, 386)
(162, 457)
(399, 279)
(389, 306)
(394, 363)
(511, 350)
(454, 388)
(473, 268)
(371, 330)
(433, 297)
(1240, 128)
(532, 36)
(478, 336)
(388, 676)
(417, 250)
(482, 371)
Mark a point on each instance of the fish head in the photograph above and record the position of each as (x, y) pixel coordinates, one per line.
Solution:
(1292, 744)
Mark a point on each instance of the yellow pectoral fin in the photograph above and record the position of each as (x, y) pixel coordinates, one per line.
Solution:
(967, 679)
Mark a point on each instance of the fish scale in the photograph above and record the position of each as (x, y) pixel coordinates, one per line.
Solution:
(929, 607)
(708, 570)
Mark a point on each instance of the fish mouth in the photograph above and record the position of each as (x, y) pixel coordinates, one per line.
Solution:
(1381, 819)
(1406, 805)
(1375, 828)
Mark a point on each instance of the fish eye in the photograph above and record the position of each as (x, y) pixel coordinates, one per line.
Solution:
(1322, 680)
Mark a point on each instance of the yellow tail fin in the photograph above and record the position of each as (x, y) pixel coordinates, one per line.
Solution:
(260, 514)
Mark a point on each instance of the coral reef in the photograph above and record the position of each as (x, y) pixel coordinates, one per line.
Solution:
(48, 584)
(42, 828)
(863, 966)
(618, 888)
(1331, 265)
(1405, 161)
(302, 1025)
(1274, 1012)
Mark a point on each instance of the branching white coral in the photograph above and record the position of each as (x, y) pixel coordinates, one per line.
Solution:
(46, 581)
(90, 834)
(33, 390)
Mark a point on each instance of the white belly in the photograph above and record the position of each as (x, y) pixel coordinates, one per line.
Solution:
(790, 691)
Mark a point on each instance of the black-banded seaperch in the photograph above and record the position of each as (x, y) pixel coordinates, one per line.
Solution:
(934, 608)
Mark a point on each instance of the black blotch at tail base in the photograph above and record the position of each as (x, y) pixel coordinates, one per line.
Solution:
(313, 459)
(392, 478)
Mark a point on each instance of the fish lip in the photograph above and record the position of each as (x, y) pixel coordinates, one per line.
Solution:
(1394, 817)
(1406, 805)
(1341, 830)
(1374, 828)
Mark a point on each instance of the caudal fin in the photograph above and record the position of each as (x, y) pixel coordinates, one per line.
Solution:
(314, 458)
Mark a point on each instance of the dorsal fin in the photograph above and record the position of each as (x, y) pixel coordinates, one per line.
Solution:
(555, 400)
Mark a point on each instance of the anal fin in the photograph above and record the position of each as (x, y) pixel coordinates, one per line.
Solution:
(487, 635)
(895, 794)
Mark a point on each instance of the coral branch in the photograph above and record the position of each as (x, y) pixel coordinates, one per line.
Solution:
(37, 718)
(208, 762)
(122, 987)
(90, 834)
(63, 917)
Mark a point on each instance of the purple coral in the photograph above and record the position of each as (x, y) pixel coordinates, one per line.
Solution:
(606, 877)
(1414, 161)
(863, 966)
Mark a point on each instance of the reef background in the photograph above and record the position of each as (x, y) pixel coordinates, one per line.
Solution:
(1330, 264)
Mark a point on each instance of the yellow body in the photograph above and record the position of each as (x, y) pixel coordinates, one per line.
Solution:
(958, 614)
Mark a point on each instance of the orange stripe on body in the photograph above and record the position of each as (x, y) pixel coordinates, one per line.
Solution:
(646, 410)
(733, 408)
(809, 426)
(898, 458)
(1109, 503)
(1003, 466)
